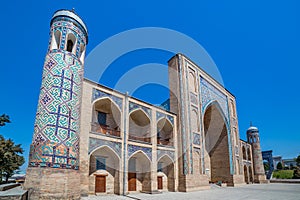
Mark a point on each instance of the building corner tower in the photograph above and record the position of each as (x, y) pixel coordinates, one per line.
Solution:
(258, 167)
(53, 171)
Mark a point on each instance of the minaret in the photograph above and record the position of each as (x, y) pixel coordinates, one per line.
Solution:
(53, 171)
(258, 167)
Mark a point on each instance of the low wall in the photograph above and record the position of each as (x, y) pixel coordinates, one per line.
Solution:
(285, 181)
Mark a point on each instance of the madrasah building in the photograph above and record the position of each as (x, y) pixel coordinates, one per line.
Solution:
(90, 139)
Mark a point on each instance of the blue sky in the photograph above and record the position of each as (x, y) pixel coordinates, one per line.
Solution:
(255, 44)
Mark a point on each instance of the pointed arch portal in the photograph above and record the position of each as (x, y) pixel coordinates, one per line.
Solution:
(217, 156)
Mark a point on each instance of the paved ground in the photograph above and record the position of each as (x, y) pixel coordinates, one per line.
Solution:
(271, 191)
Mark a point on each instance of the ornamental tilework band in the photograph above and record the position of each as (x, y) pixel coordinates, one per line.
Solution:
(160, 115)
(97, 94)
(161, 153)
(209, 94)
(132, 149)
(56, 131)
(97, 143)
(134, 106)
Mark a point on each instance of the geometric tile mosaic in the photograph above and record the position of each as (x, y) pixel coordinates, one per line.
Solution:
(56, 131)
(209, 94)
(160, 115)
(134, 106)
(99, 94)
(96, 143)
(132, 149)
(161, 153)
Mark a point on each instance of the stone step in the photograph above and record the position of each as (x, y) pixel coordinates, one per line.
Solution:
(8, 186)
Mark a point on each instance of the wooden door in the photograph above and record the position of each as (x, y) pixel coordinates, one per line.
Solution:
(131, 181)
(100, 185)
(159, 182)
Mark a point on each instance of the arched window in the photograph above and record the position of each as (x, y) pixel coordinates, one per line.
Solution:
(71, 41)
(248, 154)
(55, 43)
(244, 153)
(82, 52)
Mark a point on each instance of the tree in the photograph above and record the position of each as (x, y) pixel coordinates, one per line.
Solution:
(279, 166)
(298, 160)
(4, 119)
(10, 158)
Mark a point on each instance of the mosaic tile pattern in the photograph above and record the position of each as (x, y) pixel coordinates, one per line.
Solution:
(160, 115)
(196, 138)
(56, 132)
(209, 94)
(161, 153)
(96, 143)
(97, 94)
(132, 149)
(134, 106)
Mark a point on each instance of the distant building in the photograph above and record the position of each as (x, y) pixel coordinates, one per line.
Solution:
(290, 163)
(276, 160)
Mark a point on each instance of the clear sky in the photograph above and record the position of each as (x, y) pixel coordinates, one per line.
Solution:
(255, 44)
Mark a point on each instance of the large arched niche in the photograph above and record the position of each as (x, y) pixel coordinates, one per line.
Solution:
(166, 172)
(106, 163)
(217, 156)
(106, 117)
(139, 172)
(139, 126)
(165, 132)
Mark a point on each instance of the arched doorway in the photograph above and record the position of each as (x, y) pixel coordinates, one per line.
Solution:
(104, 171)
(139, 172)
(217, 157)
(246, 174)
(139, 126)
(250, 175)
(106, 117)
(165, 174)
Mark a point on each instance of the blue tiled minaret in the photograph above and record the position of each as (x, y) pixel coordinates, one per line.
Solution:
(53, 171)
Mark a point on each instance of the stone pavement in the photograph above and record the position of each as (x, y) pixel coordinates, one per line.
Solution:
(271, 191)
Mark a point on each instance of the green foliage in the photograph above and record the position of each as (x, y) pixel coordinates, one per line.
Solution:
(10, 158)
(296, 174)
(266, 166)
(298, 160)
(279, 166)
(283, 174)
(4, 119)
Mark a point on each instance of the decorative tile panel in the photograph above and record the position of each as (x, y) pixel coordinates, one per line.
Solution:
(196, 138)
(96, 143)
(160, 115)
(132, 149)
(161, 153)
(209, 94)
(134, 106)
(97, 94)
